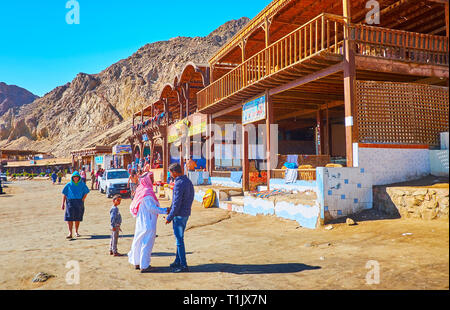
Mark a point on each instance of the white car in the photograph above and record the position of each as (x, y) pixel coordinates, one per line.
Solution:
(114, 181)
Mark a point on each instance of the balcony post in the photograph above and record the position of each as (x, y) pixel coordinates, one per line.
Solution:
(349, 86)
(269, 120)
(210, 146)
(245, 161)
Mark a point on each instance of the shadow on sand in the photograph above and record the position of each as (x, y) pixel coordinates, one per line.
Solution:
(244, 269)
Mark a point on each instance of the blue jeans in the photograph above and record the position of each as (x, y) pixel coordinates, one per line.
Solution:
(179, 225)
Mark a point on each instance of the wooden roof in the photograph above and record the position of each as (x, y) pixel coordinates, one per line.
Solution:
(20, 152)
(423, 16)
(99, 149)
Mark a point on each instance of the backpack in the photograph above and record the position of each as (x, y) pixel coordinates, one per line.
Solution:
(209, 198)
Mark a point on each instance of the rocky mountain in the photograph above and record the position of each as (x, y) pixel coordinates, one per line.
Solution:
(82, 112)
(13, 97)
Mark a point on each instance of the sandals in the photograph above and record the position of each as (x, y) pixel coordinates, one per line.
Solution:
(69, 237)
(78, 235)
(148, 269)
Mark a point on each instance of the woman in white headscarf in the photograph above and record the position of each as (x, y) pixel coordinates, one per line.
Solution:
(145, 208)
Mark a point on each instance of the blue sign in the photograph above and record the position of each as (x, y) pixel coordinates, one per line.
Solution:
(99, 160)
(254, 110)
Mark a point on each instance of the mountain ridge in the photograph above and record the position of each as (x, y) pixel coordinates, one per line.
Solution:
(80, 113)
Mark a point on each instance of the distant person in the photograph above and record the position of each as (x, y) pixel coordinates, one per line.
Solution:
(183, 196)
(60, 176)
(54, 176)
(133, 182)
(98, 175)
(93, 180)
(74, 195)
(129, 168)
(191, 165)
(83, 175)
(145, 208)
(116, 222)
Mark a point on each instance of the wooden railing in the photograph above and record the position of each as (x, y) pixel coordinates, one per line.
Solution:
(323, 33)
(400, 45)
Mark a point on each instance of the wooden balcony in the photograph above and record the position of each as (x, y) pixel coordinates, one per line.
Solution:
(315, 46)
(400, 45)
(321, 36)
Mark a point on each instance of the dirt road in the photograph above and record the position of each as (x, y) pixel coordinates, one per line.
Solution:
(225, 250)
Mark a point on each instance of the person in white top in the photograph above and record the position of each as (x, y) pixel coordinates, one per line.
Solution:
(145, 207)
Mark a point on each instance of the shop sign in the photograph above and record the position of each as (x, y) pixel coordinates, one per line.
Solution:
(99, 160)
(121, 149)
(196, 124)
(254, 110)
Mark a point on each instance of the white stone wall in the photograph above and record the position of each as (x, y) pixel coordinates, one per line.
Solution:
(392, 165)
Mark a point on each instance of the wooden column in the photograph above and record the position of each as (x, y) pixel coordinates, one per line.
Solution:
(165, 149)
(318, 132)
(210, 146)
(349, 86)
(141, 150)
(446, 19)
(245, 161)
(152, 151)
(186, 96)
(327, 132)
(269, 121)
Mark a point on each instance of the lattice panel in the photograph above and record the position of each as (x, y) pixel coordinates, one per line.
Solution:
(401, 113)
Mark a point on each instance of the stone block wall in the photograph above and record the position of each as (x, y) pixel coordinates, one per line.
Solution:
(420, 203)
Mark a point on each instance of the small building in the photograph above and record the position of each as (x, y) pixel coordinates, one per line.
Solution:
(92, 157)
(38, 166)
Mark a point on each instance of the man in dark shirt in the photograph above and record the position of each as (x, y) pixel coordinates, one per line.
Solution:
(183, 196)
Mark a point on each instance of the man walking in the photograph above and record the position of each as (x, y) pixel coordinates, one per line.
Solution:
(183, 196)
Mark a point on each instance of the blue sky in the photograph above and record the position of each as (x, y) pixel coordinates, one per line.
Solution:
(39, 50)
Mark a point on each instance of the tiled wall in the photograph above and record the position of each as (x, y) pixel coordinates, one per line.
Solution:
(225, 182)
(391, 165)
(343, 191)
(439, 165)
(306, 216)
(299, 185)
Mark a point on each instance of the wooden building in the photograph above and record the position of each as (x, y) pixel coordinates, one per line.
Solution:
(153, 125)
(338, 78)
(86, 157)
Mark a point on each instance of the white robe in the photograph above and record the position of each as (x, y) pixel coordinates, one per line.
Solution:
(145, 232)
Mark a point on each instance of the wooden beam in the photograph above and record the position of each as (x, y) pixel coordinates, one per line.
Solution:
(227, 110)
(399, 67)
(307, 79)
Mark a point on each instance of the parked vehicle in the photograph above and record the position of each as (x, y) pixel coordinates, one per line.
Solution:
(114, 182)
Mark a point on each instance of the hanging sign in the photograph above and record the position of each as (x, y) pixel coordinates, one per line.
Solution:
(121, 149)
(254, 110)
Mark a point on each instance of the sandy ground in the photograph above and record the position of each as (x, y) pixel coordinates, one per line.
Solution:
(225, 250)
